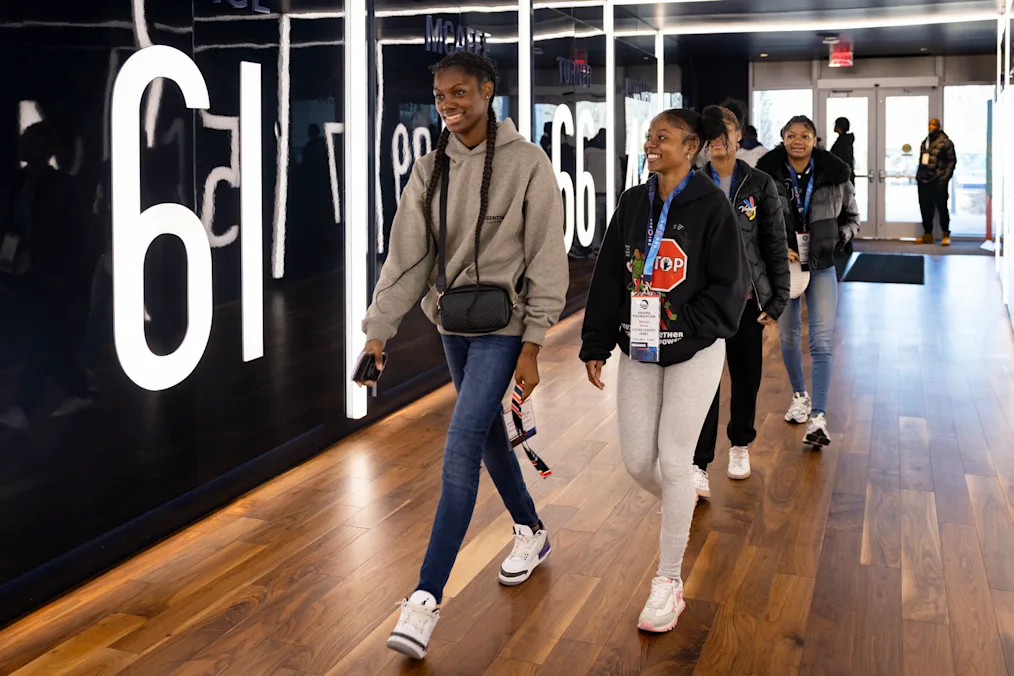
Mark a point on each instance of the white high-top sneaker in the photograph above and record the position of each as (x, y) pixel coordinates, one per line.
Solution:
(419, 615)
(799, 411)
(530, 549)
(816, 431)
(665, 603)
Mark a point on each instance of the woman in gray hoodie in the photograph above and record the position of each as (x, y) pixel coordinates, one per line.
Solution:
(504, 228)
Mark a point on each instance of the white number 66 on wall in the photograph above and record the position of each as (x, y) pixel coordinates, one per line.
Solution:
(134, 230)
(579, 207)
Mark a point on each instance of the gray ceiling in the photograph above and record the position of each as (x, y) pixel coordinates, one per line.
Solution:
(942, 39)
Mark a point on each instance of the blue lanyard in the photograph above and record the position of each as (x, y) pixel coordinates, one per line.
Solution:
(654, 238)
(804, 206)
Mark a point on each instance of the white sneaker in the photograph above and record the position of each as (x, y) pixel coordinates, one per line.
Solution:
(701, 483)
(665, 603)
(739, 462)
(799, 411)
(71, 406)
(530, 549)
(419, 615)
(15, 419)
(816, 431)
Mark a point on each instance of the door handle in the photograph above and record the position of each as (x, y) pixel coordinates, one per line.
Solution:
(870, 177)
(883, 175)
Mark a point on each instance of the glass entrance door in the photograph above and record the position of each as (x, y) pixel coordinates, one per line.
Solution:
(859, 108)
(902, 119)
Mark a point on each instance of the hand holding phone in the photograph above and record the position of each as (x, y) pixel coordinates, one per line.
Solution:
(370, 365)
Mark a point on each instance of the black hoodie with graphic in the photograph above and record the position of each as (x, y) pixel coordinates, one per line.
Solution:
(700, 272)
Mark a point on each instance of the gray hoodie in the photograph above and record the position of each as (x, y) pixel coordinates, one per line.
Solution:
(522, 235)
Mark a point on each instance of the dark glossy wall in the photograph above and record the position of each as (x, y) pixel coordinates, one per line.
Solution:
(80, 491)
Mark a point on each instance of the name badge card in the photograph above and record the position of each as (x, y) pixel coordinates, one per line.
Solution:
(925, 159)
(645, 319)
(803, 244)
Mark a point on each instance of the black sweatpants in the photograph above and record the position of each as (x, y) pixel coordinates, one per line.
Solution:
(932, 199)
(745, 353)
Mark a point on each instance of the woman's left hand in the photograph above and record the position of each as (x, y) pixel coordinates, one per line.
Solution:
(764, 319)
(527, 374)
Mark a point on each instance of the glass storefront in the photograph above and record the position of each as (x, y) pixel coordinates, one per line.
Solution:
(93, 465)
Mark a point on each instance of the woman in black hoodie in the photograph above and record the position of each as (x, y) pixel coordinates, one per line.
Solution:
(669, 286)
(754, 198)
(821, 217)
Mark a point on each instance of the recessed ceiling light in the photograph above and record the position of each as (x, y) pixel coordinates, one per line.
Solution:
(764, 56)
(924, 49)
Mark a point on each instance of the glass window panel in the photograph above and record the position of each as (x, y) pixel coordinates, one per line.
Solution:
(772, 108)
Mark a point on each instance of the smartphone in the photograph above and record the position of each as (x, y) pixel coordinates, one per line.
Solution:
(366, 369)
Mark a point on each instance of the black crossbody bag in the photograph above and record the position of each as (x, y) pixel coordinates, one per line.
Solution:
(474, 309)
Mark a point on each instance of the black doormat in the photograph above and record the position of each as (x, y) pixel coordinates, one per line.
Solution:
(887, 269)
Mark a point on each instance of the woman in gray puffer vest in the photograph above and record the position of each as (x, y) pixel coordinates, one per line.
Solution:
(821, 216)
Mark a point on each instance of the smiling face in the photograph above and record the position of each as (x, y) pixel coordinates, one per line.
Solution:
(461, 99)
(799, 141)
(718, 148)
(667, 146)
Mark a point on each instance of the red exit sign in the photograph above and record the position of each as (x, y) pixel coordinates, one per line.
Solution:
(841, 55)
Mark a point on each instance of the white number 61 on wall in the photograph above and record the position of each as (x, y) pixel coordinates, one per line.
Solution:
(134, 230)
(579, 206)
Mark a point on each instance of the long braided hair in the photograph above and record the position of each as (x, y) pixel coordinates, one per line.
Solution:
(484, 70)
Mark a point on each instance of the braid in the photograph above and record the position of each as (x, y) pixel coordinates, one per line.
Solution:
(431, 187)
(487, 175)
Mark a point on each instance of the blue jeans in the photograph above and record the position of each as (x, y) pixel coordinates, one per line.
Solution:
(482, 369)
(822, 304)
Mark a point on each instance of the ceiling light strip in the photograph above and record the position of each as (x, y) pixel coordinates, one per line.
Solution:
(815, 25)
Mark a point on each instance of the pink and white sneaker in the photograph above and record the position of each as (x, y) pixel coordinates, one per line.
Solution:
(664, 606)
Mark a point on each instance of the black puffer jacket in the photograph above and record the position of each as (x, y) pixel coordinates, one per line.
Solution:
(762, 226)
(834, 214)
(942, 159)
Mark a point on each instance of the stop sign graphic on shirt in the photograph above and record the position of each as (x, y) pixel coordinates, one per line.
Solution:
(670, 267)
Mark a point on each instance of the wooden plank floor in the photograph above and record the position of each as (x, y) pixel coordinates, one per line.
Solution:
(891, 552)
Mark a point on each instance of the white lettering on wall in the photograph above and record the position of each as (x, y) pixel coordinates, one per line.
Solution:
(229, 175)
(635, 148)
(134, 230)
(332, 129)
(579, 200)
(401, 156)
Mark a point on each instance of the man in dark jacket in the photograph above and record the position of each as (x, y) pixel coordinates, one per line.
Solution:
(844, 150)
(844, 146)
(936, 167)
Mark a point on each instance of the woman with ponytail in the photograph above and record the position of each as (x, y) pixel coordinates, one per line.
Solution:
(758, 209)
(669, 287)
(491, 197)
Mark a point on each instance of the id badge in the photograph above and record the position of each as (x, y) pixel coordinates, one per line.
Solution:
(925, 159)
(645, 319)
(803, 244)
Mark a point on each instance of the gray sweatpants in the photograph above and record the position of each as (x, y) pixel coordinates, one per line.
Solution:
(660, 412)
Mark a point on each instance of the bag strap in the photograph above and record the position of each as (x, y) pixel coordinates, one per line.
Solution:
(445, 181)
